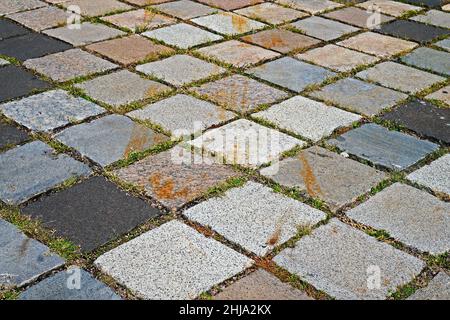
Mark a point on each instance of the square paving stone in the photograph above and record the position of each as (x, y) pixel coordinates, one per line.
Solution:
(180, 70)
(283, 41)
(391, 149)
(185, 9)
(429, 59)
(182, 35)
(22, 259)
(239, 93)
(307, 118)
(292, 74)
(423, 118)
(172, 262)
(428, 3)
(442, 95)
(434, 176)
(322, 28)
(260, 285)
(311, 6)
(183, 115)
(415, 31)
(121, 88)
(246, 143)
(12, 6)
(10, 135)
(437, 289)
(444, 44)
(434, 17)
(41, 19)
(251, 216)
(357, 17)
(10, 29)
(55, 288)
(271, 13)
(68, 65)
(98, 7)
(92, 213)
(230, 4)
(410, 215)
(138, 20)
(228, 23)
(392, 8)
(143, 3)
(325, 175)
(338, 259)
(109, 139)
(238, 54)
(34, 168)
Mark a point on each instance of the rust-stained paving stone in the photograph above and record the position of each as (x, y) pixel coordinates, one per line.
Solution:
(271, 13)
(140, 19)
(311, 6)
(98, 7)
(358, 17)
(185, 9)
(229, 23)
(230, 4)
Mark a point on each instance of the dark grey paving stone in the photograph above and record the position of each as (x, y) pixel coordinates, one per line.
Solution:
(10, 135)
(427, 3)
(423, 118)
(60, 287)
(91, 213)
(412, 30)
(391, 149)
(429, 59)
(10, 29)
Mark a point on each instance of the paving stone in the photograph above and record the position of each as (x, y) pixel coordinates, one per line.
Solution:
(429, 59)
(423, 118)
(434, 17)
(358, 17)
(32, 169)
(446, 7)
(442, 95)
(132, 88)
(138, 20)
(22, 259)
(271, 13)
(292, 74)
(70, 64)
(41, 19)
(307, 118)
(311, 6)
(444, 44)
(109, 139)
(437, 289)
(183, 115)
(428, 3)
(180, 70)
(251, 216)
(182, 35)
(228, 23)
(50, 110)
(377, 44)
(230, 4)
(12, 6)
(415, 31)
(10, 135)
(238, 54)
(434, 176)
(392, 8)
(185, 9)
(391, 149)
(10, 29)
(324, 29)
(339, 260)
(400, 77)
(283, 41)
(98, 7)
(409, 215)
(56, 288)
(260, 285)
(92, 213)
(246, 143)
(143, 3)
(240, 93)
(337, 58)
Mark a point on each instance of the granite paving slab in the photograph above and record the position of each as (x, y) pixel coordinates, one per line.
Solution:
(358, 17)
(138, 20)
(392, 8)
(185, 9)
(444, 44)
(428, 3)
(11, 135)
(443, 95)
(437, 289)
(324, 29)
(434, 175)
(42, 18)
(429, 59)
(415, 31)
(10, 29)
(311, 6)
(434, 17)
(271, 13)
(12, 6)
(230, 4)
(98, 7)
(229, 24)
(142, 3)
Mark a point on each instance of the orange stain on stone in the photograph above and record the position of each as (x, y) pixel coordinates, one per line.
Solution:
(138, 140)
(239, 23)
(307, 174)
(166, 189)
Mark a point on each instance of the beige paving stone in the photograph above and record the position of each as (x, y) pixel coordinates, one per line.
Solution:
(98, 7)
(41, 19)
(311, 6)
(442, 95)
(322, 28)
(358, 17)
(228, 23)
(271, 13)
(138, 20)
(185, 9)
(392, 8)
(230, 4)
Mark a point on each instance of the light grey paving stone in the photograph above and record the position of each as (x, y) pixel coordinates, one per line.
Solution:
(410, 215)
(322, 28)
(183, 115)
(444, 44)
(229, 23)
(42, 18)
(391, 149)
(138, 20)
(50, 110)
(109, 139)
(392, 8)
(185, 9)
(255, 217)
(3, 62)
(307, 118)
(271, 13)
(12, 6)
(98, 7)
(442, 94)
(434, 17)
(429, 59)
(437, 289)
(344, 262)
(311, 6)
(72, 284)
(34, 168)
(172, 261)
(22, 259)
(435, 176)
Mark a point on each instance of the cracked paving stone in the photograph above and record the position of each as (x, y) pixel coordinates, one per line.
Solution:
(230, 4)
(68, 65)
(10, 135)
(121, 88)
(437, 289)
(434, 175)
(240, 93)
(50, 110)
(323, 29)
(251, 216)
(172, 262)
(325, 175)
(444, 44)
(429, 59)
(434, 17)
(441, 95)
(109, 139)
(412, 30)
(10, 29)
(292, 74)
(357, 17)
(271, 13)
(185, 9)
(307, 118)
(391, 149)
(98, 7)
(336, 258)
(228, 23)
(180, 70)
(183, 115)
(35, 168)
(174, 177)
(55, 288)
(392, 8)
(311, 6)
(12, 6)
(41, 19)
(140, 19)
(409, 215)
(23, 259)
(92, 213)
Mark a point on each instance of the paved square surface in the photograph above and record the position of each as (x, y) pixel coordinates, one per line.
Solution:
(415, 31)
(429, 59)
(437, 289)
(357, 17)
(138, 20)
(10, 29)
(11, 6)
(97, 8)
(40, 19)
(185, 9)
(392, 8)
(228, 23)
(434, 176)
(10, 135)
(230, 4)
(311, 6)
(322, 28)
(271, 13)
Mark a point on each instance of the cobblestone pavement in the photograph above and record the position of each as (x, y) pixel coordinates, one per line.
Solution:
(224, 149)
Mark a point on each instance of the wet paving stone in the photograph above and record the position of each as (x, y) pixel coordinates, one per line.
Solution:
(392, 8)
(22, 259)
(415, 31)
(12, 6)
(139, 20)
(185, 9)
(434, 176)
(97, 8)
(434, 17)
(409, 215)
(311, 6)
(41, 19)
(323, 29)
(34, 168)
(251, 216)
(391, 149)
(227, 23)
(437, 289)
(10, 29)
(271, 13)
(91, 213)
(357, 17)
(442, 95)
(109, 139)
(337, 258)
(10, 135)
(429, 59)
(230, 4)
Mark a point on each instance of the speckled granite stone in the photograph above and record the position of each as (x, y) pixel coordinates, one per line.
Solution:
(41, 19)
(443, 95)
(11, 6)
(10, 135)
(139, 20)
(437, 289)
(230, 4)
(392, 8)
(185, 9)
(357, 17)
(429, 59)
(322, 28)
(98, 7)
(228, 23)
(435, 176)
(311, 6)
(271, 13)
